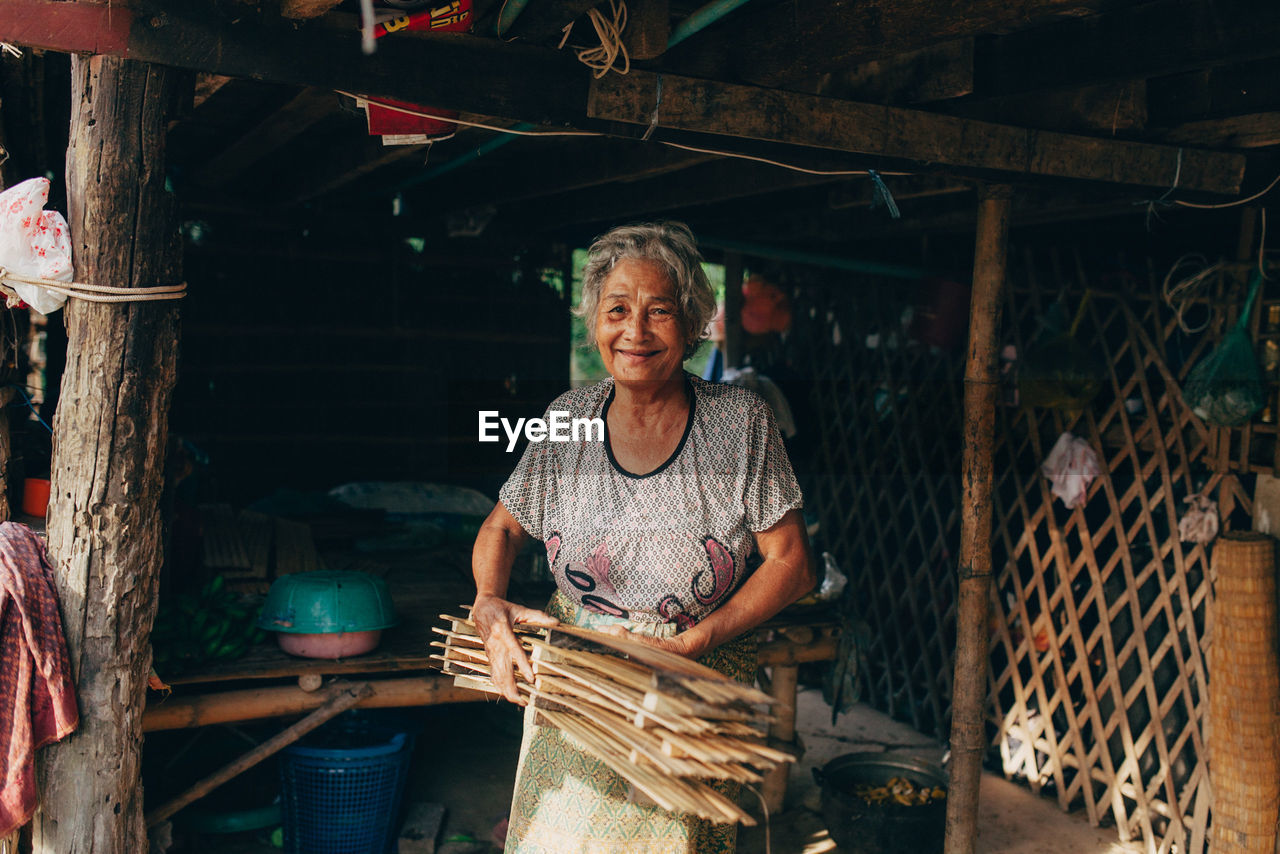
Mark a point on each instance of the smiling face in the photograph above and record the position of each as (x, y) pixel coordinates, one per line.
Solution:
(638, 326)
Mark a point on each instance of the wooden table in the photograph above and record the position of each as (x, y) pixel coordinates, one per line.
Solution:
(400, 673)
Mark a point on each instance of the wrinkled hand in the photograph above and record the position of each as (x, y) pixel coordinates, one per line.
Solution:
(494, 619)
(678, 644)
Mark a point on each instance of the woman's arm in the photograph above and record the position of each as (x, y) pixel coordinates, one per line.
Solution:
(497, 544)
(785, 576)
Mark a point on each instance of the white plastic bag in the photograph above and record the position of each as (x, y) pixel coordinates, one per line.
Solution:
(34, 242)
(1200, 523)
(833, 580)
(1070, 467)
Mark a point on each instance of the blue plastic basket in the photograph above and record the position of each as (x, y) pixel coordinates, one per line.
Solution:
(344, 797)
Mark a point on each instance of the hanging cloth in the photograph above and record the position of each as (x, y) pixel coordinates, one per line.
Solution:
(1200, 523)
(1070, 467)
(37, 697)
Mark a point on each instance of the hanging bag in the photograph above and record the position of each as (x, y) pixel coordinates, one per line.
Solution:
(1059, 371)
(1226, 388)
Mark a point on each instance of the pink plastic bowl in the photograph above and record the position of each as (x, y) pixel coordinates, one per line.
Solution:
(329, 644)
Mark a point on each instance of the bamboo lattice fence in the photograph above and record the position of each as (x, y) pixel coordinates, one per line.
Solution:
(1100, 615)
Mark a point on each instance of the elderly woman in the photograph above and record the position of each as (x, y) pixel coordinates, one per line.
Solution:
(683, 526)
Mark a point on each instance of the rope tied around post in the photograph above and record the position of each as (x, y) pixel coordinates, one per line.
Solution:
(90, 293)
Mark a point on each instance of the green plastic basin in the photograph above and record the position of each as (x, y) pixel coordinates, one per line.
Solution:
(326, 601)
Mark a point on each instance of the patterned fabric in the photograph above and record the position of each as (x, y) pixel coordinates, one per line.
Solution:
(568, 802)
(37, 697)
(669, 546)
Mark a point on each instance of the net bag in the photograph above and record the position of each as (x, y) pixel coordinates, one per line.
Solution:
(1226, 388)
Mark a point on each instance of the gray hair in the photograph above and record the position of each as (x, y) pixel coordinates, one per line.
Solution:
(671, 246)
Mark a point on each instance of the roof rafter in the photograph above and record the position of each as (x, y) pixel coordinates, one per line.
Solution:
(542, 86)
(784, 117)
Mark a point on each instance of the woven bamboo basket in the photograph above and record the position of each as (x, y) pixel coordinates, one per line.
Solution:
(1244, 697)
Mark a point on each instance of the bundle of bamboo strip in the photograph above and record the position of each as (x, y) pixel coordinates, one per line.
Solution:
(660, 721)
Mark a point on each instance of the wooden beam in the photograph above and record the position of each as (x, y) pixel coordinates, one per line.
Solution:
(340, 698)
(1229, 90)
(935, 73)
(541, 86)
(68, 27)
(540, 22)
(786, 44)
(503, 80)
(783, 117)
(110, 437)
(648, 28)
(273, 133)
(1144, 40)
(968, 734)
(180, 712)
(302, 9)
(1258, 130)
(208, 85)
(1102, 108)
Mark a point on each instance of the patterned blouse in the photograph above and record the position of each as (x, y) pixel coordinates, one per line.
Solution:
(668, 546)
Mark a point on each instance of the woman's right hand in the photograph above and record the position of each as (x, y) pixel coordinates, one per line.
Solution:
(495, 619)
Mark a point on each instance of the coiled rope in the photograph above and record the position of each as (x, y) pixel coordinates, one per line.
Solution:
(1185, 284)
(602, 58)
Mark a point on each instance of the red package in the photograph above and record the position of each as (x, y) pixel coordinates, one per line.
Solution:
(453, 17)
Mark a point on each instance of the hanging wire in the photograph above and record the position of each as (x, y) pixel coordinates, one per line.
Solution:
(1256, 195)
(699, 150)
(26, 400)
(1163, 201)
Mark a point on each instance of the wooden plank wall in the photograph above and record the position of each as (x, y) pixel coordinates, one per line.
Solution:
(1101, 616)
(307, 365)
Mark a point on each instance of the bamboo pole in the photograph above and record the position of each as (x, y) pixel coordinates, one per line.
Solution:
(343, 697)
(733, 333)
(968, 739)
(783, 689)
(254, 703)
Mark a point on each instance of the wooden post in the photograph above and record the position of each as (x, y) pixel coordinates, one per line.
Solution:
(968, 738)
(109, 442)
(733, 310)
(782, 687)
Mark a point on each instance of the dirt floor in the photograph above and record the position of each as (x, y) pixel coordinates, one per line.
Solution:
(466, 754)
